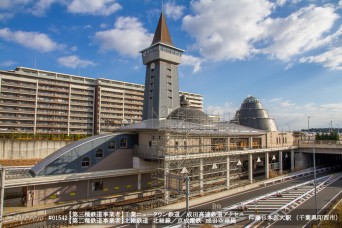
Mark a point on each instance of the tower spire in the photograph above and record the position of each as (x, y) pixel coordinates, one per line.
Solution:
(162, 35)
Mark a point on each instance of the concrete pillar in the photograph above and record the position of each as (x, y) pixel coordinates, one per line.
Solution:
(267, 165)
(228, 143)
(228, 174)
(166, 173)
(139, 181)
(201, 175)
(250, 142)
(250, 168)
(292, 161)
(2, 193)
(280, 162)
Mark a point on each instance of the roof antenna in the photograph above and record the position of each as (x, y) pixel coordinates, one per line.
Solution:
(162, 9)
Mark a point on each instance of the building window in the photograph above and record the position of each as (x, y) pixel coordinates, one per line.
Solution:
(111, 145)
(99, 153)
(123, 143)
(97, 186)
(85, 162)
(185, 145)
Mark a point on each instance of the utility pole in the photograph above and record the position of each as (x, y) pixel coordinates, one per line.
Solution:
(2, 192)
(187, 193)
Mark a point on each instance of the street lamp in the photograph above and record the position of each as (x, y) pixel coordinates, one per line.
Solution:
(289, 127)
(314, 166)
(308, 127)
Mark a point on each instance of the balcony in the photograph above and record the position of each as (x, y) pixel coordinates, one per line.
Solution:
(81, 103)
(15, 117)
(74, 109)
(58, 95)
(53, 89)
(111, 106)
(39, 118)
(17, 104)
(7, 110)
(52, 82)
(18, 85)
(19, 98)
(52, 113)
(53, 107)
(44, 125)
(18, 91)
(17, 124)
(81, 115)
(82, 92)
(80, 98)
(53, 101)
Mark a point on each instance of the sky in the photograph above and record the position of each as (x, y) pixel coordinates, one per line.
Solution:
(286, 53)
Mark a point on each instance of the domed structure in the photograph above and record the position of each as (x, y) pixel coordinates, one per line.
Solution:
(188, 114)
(252, 114)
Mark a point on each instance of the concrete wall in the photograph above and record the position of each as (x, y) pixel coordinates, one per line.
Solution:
(29, 149)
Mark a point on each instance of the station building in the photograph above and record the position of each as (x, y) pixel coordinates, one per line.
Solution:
(151, 157)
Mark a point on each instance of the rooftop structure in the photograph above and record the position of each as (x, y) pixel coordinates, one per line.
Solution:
(161, 95)
(252, 114)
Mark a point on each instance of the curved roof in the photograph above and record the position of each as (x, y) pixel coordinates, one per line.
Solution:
(60, 152)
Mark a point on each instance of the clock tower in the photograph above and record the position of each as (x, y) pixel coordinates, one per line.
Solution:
(161, 58)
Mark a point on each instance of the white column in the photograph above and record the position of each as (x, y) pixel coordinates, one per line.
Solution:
(139, 181)
(292, 161)
(280, 162)
(201, 175)
(228, 174)
(250, 168)
(2, 193)
(267, 165)
(250, 142)
(228, 144)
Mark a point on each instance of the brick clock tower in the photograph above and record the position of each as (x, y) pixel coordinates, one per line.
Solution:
(161, 58)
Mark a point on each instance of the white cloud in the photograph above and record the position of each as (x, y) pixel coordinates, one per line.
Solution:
(34, 40)
(127, 37)
(331, 59)
(227, 111)
(73, 48)
(301, 31)
(5, 16)
(98, 7)
(7, 63)
(6, 4)
(195, 62)
(41, 6)
(74, 62)
(296, 116)
(281, 2)
(174, 11)
(223, 32)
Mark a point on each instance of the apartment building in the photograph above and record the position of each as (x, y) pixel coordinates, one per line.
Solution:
(37, 102)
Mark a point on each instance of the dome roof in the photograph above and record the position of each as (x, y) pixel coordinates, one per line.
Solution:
(188, 114)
